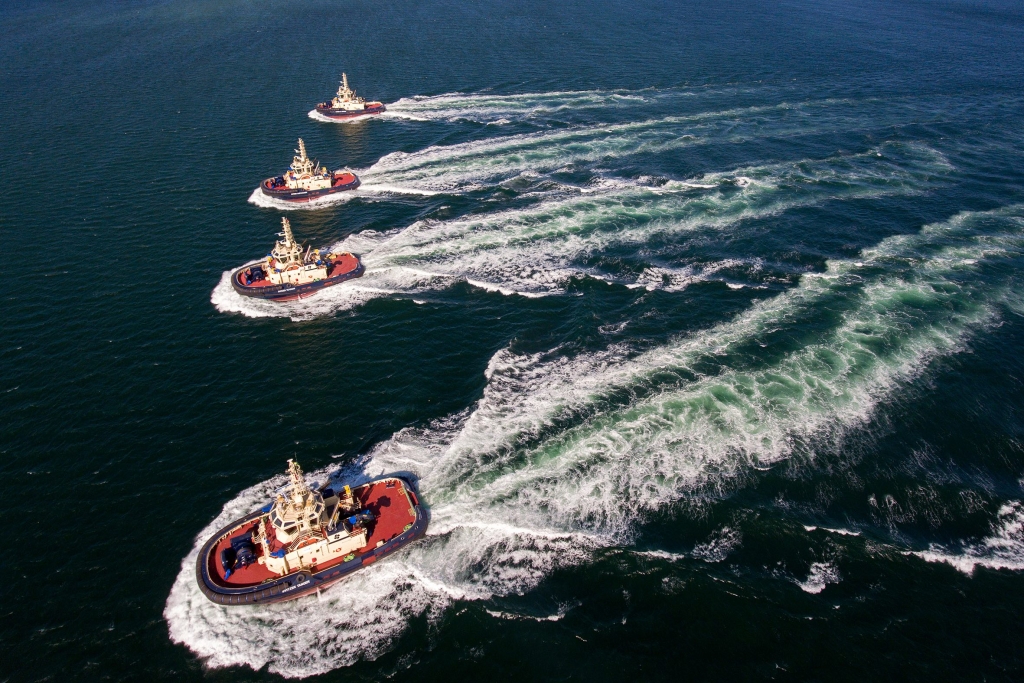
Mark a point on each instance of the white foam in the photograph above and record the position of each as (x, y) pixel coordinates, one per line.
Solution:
(385, 188)
(1003, 549)
(364, 191)
(503, 109)
(678, 279)
(642, 454)
(317, 116)
(503, 290)
(821, 574)
(841, 532)
(663, 555)
(263, 201)
(498, 614)
(718, 547)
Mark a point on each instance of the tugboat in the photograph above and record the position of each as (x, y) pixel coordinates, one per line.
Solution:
(345, 105)
(287, 273)
(306, 180)
(307, 539)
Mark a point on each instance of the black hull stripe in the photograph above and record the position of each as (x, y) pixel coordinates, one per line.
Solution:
(288, 292)
(344, 114)
(306, 195)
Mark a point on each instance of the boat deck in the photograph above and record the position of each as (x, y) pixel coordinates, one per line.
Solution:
(343, 179)
(342, 265)
(346, 263)
(387, 500)
(368, 108)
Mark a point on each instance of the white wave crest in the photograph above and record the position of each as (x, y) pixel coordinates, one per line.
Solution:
(821, 574)
(678, 279)
(841, 532)
(1004, 549)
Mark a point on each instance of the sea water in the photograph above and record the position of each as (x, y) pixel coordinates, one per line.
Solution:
(697, 325)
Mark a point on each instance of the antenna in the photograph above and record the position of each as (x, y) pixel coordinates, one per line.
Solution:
(299, 488)
(345, 94)
(289, 240)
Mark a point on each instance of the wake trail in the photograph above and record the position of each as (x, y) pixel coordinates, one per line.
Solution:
(469, 166)
(534, 251)
(564, 455)
(502, 109)
(543, 156)
(907, 301)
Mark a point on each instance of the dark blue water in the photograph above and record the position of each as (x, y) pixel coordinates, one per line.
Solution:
(699, 324)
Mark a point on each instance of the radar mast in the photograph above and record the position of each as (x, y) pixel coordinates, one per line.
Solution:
(302, 164)
(300, 512)
(287, 252)
(345, 93)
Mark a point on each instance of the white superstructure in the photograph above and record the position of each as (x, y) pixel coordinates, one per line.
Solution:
(346, 98)
(288, 264)
(306, 173)
(311, 529)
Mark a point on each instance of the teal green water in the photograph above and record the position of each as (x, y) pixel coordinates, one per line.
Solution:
(698, 325)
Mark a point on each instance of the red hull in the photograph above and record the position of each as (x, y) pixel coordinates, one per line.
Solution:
(341, 182)
(345, 267)
(372, 109)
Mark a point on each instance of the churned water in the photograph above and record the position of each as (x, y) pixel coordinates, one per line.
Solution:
(698, 324)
